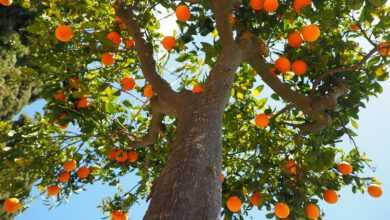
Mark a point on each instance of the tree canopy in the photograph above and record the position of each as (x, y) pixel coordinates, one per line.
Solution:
(109, 78)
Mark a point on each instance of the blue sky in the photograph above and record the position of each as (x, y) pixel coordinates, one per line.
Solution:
(373, 139)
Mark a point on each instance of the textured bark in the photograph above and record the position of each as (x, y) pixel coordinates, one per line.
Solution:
(189, 187)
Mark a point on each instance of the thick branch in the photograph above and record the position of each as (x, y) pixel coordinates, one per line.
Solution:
(145, 53)
(222, 10)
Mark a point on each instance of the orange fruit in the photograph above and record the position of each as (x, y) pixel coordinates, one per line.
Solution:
(120, 156)
(183, 13)
(132, 156)
(271, 5)
(299, 4)
(375, 190)
(127, 83)
(11, 205)
(255, 199)
(130, 43)
(53, 190)
(291, 167)
(74, 82)
(311, 33)
(281, 210)
(295, 39)
(283, 64)
(299, 67)
(70, 165)
(312, 211)
(345, 168)
(64, 33)
(355, 27)
(198, 88)
(256, 5)
(82, 103)
(119, 215)
(234, 204)
(6, 2)
(148, 91)
(64, 177)
(112, 154)
(114, 37)
(59, 96)
(63, 126)
(232, 19)
(262, 120)
(221, 178)
(83, 172)
(384, 49)
(169, 43)
(330, 196)
(107, 59)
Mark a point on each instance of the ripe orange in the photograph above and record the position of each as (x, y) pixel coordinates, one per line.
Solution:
(70, 165)
(283, 64)
(107, 59)
(130, 43)
(112, 154)
(64, 126)
(119, 215)
(299, 4)
(59, 96)
(234, 204)
(64, 177)
(148, 91)
(120, 156)
(311, 33)
(114, 37)
(132, 156)
(11, 205)
(295, 39)
(355, 27)
(262, 120)
(255, 199)
(127, 83)
(74, 82)
(291, 167)
(64, 33)
(83, 172)
(344, 168)
(221, 178)
(312, 211)
(384, 49)
(82, 103)
(169, 43)
(232, 19)
(282, 210)
(6, 2)
(271, 5)
(299, 67)
(330, 196)
(256, 5)
(183, 13)
(198, 88)
(53, 190)
(375, 190)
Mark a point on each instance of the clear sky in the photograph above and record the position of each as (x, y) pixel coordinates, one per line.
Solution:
(374, 128)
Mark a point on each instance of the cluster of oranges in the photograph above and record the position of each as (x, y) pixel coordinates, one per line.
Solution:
(64, 176)
(122, 156)
(312, 211)
(273, 5)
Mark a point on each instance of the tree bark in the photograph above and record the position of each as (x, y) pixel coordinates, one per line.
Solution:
(189, 187)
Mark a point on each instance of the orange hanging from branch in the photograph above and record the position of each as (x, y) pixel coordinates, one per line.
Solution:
(183, 13)
(64, 33)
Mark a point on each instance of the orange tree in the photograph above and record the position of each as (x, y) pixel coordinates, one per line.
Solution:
(185, 112)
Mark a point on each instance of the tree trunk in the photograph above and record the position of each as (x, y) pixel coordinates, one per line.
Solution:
(189, 187)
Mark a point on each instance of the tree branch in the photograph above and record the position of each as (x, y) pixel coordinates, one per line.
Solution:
(145, 53)
(222, 10)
